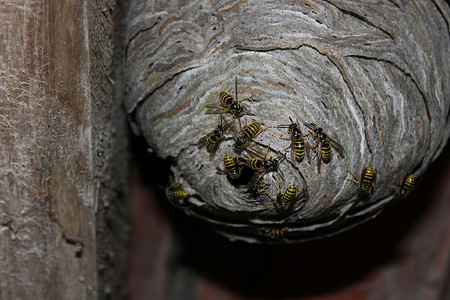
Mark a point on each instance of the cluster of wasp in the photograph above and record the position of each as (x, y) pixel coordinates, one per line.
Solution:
(256, 163)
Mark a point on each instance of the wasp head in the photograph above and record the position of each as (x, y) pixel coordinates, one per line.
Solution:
(218, 132)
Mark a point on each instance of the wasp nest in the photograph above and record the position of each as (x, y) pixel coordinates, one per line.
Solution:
(289, 120)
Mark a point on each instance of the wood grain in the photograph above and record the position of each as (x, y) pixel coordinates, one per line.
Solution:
(58, 127)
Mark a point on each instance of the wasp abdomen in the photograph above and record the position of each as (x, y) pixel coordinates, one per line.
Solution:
(406, 186)
(273, 232)
(326, 151)
(252, 130)
(232, 167)
(255, 164)
(211, 143)
(179, 195)
(409, 182)
(226, 99)
(367, 179)
(289, 195)
(299, 149)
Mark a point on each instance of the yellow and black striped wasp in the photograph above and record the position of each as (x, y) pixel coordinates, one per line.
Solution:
(212, 140)
(258, 191)
(232, 166)
(324, 144)
(298, 143)
(246, 136)
(406, 186)
(265, 165)
(286, 200)
(176, 195)
(367, 182)
(275, 232)
(259, 188)
(262, 165)
(231, 105)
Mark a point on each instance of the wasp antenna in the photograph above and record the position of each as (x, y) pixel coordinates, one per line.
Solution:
(235, 87)
(283, 126)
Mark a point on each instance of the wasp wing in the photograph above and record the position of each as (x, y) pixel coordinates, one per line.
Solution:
(338, 147)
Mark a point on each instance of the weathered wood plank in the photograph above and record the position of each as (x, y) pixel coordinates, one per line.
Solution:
(59, 170)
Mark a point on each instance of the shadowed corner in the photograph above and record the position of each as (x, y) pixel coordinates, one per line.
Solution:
(201, 264)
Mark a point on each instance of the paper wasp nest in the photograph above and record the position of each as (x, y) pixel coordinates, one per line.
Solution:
(373, 75)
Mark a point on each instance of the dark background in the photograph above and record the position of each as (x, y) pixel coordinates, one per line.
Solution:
(404, 253)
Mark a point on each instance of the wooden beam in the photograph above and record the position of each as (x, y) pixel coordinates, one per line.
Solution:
(59, 132)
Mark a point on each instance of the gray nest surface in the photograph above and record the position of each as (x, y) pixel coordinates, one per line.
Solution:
(373, 75)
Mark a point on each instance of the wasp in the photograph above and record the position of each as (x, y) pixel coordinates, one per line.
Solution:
(367, 181)
(259, 192)
(254, 163)
(324, 143)
(232, 166)
(405, 186)
(231, 105)
(176, 195)
(298, 144)
(247, 135)
(290, 196)
(273, 232)
(259, 188)
(213, 139)
(262, 165)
